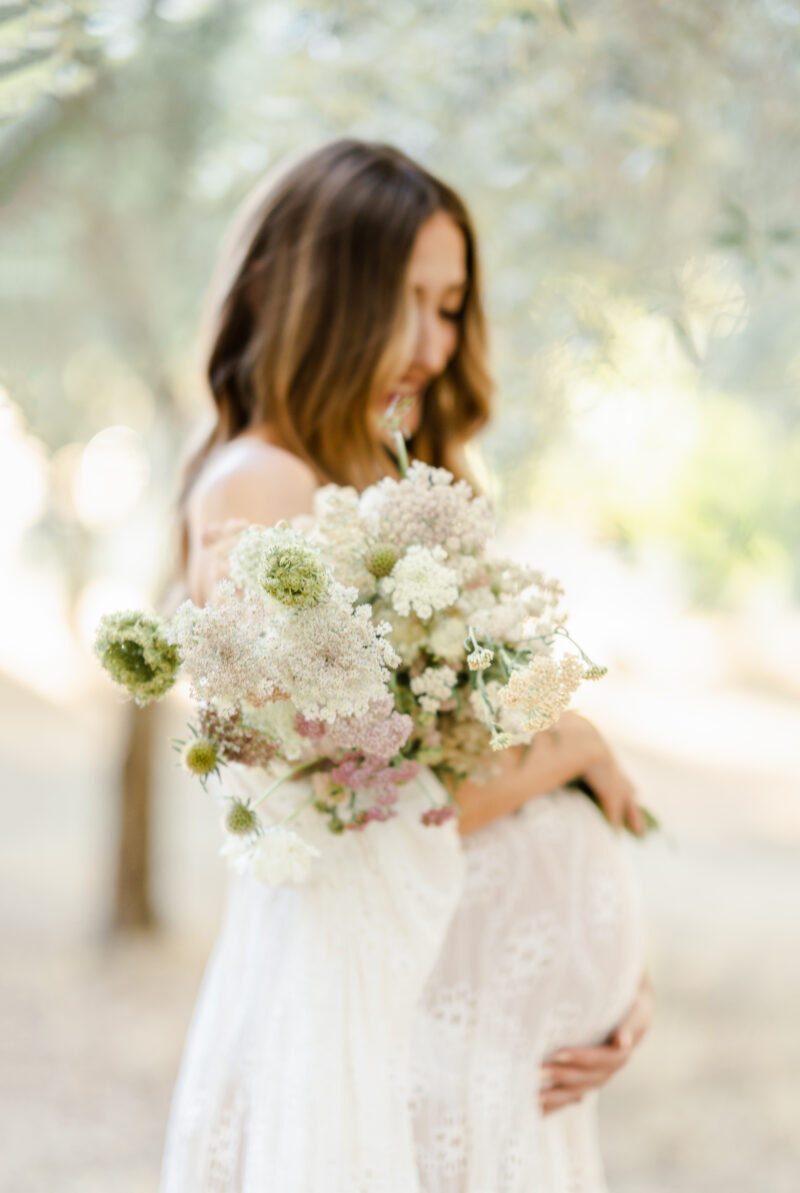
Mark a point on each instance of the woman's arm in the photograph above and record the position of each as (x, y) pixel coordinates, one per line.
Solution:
(249, 482)
(571, 748)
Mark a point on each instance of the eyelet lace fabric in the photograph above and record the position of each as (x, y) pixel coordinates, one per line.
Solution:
(545, 950)
(380, 1028)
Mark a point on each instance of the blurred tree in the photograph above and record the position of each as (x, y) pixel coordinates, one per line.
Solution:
(624, 164)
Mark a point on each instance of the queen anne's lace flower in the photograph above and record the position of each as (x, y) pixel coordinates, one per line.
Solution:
(332, 658)
(281, 563)
(135, 651)
(380, 732)
(228, 651)
(246, 557)
(421, 582)
(292, 573)
(426, 509)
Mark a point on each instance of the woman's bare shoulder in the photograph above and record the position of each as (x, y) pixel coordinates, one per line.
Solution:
(253, 480)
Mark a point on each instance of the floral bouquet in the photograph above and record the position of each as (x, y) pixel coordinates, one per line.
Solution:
(355, 646)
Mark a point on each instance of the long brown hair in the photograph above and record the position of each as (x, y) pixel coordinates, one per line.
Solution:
(310, 299)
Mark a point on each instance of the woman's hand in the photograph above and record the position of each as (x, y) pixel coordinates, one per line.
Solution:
(571, 749)
(573, 1072)
(612, 788)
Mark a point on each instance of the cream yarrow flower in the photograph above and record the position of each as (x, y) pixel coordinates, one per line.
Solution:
(421, 582)
(595, 671)
(543, 689)
(133, 649)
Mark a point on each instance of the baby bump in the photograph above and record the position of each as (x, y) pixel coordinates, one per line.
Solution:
(547, 940)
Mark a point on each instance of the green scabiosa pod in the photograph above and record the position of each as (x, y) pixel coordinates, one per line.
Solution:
(380, 560)
(200, 756)
(134, 651)
(294, 574)
(241, 819)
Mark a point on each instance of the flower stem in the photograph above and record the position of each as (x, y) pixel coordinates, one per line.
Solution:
(285, 779)
(288, 819)
(402, 454)
(491, 720)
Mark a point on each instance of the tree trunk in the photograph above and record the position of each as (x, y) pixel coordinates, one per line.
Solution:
(133, 907)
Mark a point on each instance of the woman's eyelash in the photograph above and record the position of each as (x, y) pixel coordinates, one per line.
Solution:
(453, 316)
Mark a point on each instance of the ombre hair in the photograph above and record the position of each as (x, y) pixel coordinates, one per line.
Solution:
(309, 305)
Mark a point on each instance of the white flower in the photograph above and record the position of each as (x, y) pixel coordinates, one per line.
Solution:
(426, 508)
(511, 721)
(229, 651)
(342, 537)
(247, 557)
(434, 687)
(277, 856)
(421, 582)
(281, 856)
(447, 639)
(407, 634)
(334, 661)
(479, 659)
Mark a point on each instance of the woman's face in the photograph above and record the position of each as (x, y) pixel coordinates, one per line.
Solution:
(437, 283)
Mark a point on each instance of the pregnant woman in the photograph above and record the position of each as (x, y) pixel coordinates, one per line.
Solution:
(434, 1011)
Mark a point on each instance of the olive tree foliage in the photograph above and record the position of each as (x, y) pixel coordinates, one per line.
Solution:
(633, 170)
(623, 161)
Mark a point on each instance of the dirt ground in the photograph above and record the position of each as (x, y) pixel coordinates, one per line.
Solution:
(92, 1027)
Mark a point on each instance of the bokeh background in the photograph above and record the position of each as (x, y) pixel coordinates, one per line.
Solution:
(634, 171)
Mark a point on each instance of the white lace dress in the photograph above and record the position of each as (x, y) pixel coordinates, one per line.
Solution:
(380, 1029)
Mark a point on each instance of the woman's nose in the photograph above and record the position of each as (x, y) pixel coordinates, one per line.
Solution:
(432, 348)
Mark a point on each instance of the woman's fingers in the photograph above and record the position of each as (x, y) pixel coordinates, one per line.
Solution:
(616, 795)
(572, 1072)
(557, 1099)
(586, 1068)
(613, 790)
(635, 819)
